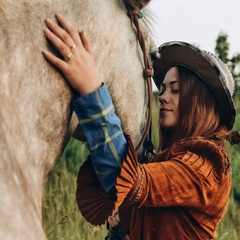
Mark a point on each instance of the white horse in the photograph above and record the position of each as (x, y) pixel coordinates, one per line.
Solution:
(35, 100)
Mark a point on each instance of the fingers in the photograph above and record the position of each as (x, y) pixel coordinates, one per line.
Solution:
(79, 39)
(55, 60)
(69, 30)
(58, 36)
(66, 35)
(57, 42)
(86, 42)
(114, 220)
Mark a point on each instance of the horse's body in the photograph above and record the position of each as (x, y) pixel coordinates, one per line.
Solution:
(35, 100)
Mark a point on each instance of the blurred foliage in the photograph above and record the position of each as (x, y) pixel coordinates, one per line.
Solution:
(72, 157)
(233, 62)
(222, 47)
(222, 51)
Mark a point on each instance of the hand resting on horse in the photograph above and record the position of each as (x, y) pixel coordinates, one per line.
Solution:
(77, 64)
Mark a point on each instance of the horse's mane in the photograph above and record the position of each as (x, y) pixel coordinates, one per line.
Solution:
(136, 4)
(148, 16)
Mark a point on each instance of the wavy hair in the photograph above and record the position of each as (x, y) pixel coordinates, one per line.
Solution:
(198, 111)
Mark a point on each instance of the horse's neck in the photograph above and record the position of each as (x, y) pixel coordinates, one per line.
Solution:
(40, 98)
(35, 100)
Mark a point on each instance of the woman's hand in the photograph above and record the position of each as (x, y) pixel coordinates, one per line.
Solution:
(77, 65)
(114, 220)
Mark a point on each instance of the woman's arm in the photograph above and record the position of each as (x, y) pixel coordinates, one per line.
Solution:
(94, 107)
(102, 129)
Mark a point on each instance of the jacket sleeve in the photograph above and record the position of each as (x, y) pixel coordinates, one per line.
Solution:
(104, 135)
(190, 177)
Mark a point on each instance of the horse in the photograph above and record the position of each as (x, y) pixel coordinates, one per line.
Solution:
(36, 116)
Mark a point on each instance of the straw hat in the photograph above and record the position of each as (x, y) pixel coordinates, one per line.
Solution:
(207, 66)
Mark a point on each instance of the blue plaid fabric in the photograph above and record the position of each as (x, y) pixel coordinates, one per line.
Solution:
(105, 138)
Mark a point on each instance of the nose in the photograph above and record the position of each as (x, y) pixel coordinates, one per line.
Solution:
(164, 97)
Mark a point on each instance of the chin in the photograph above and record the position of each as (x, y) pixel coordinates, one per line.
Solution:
(168, 127)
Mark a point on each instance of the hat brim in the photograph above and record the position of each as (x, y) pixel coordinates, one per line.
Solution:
(207, 68)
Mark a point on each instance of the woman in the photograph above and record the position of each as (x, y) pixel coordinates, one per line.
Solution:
(182, 193)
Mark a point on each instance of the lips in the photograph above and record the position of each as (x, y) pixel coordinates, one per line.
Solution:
(165, 110)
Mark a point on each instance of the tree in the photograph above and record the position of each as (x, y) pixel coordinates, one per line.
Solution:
(222, 47)
(222, 51)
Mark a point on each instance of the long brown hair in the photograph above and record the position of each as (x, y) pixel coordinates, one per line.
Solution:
(198, 111)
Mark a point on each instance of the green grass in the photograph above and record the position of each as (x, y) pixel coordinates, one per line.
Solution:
(230, 226)
(61, 217)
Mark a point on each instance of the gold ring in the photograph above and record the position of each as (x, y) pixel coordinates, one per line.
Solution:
(73, 46)
(68, 56)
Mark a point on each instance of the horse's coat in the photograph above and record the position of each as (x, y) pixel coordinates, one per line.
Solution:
(35, 100)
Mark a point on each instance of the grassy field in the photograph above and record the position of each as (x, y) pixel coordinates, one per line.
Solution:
(62, 220)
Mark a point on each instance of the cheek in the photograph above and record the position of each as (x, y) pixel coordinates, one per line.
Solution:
(176, 102)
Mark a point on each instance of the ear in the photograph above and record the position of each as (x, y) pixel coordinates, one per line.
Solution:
(137, 4)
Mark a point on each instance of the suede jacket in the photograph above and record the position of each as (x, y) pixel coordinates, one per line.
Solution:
(182, 193)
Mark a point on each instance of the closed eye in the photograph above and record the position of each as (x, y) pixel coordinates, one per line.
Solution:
(175, 91)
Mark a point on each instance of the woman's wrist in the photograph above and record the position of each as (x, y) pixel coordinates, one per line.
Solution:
(89, 89)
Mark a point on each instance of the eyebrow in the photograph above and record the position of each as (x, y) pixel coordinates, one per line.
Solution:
(171, 83)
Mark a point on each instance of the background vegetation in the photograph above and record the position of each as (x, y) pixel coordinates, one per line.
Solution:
(61, 218)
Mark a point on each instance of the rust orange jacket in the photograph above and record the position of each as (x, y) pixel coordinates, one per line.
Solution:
(181, 194)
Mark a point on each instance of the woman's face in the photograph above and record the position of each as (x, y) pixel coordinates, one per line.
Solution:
(169, 99)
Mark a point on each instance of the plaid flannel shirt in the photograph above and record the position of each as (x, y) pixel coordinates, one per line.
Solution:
(105, 138)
